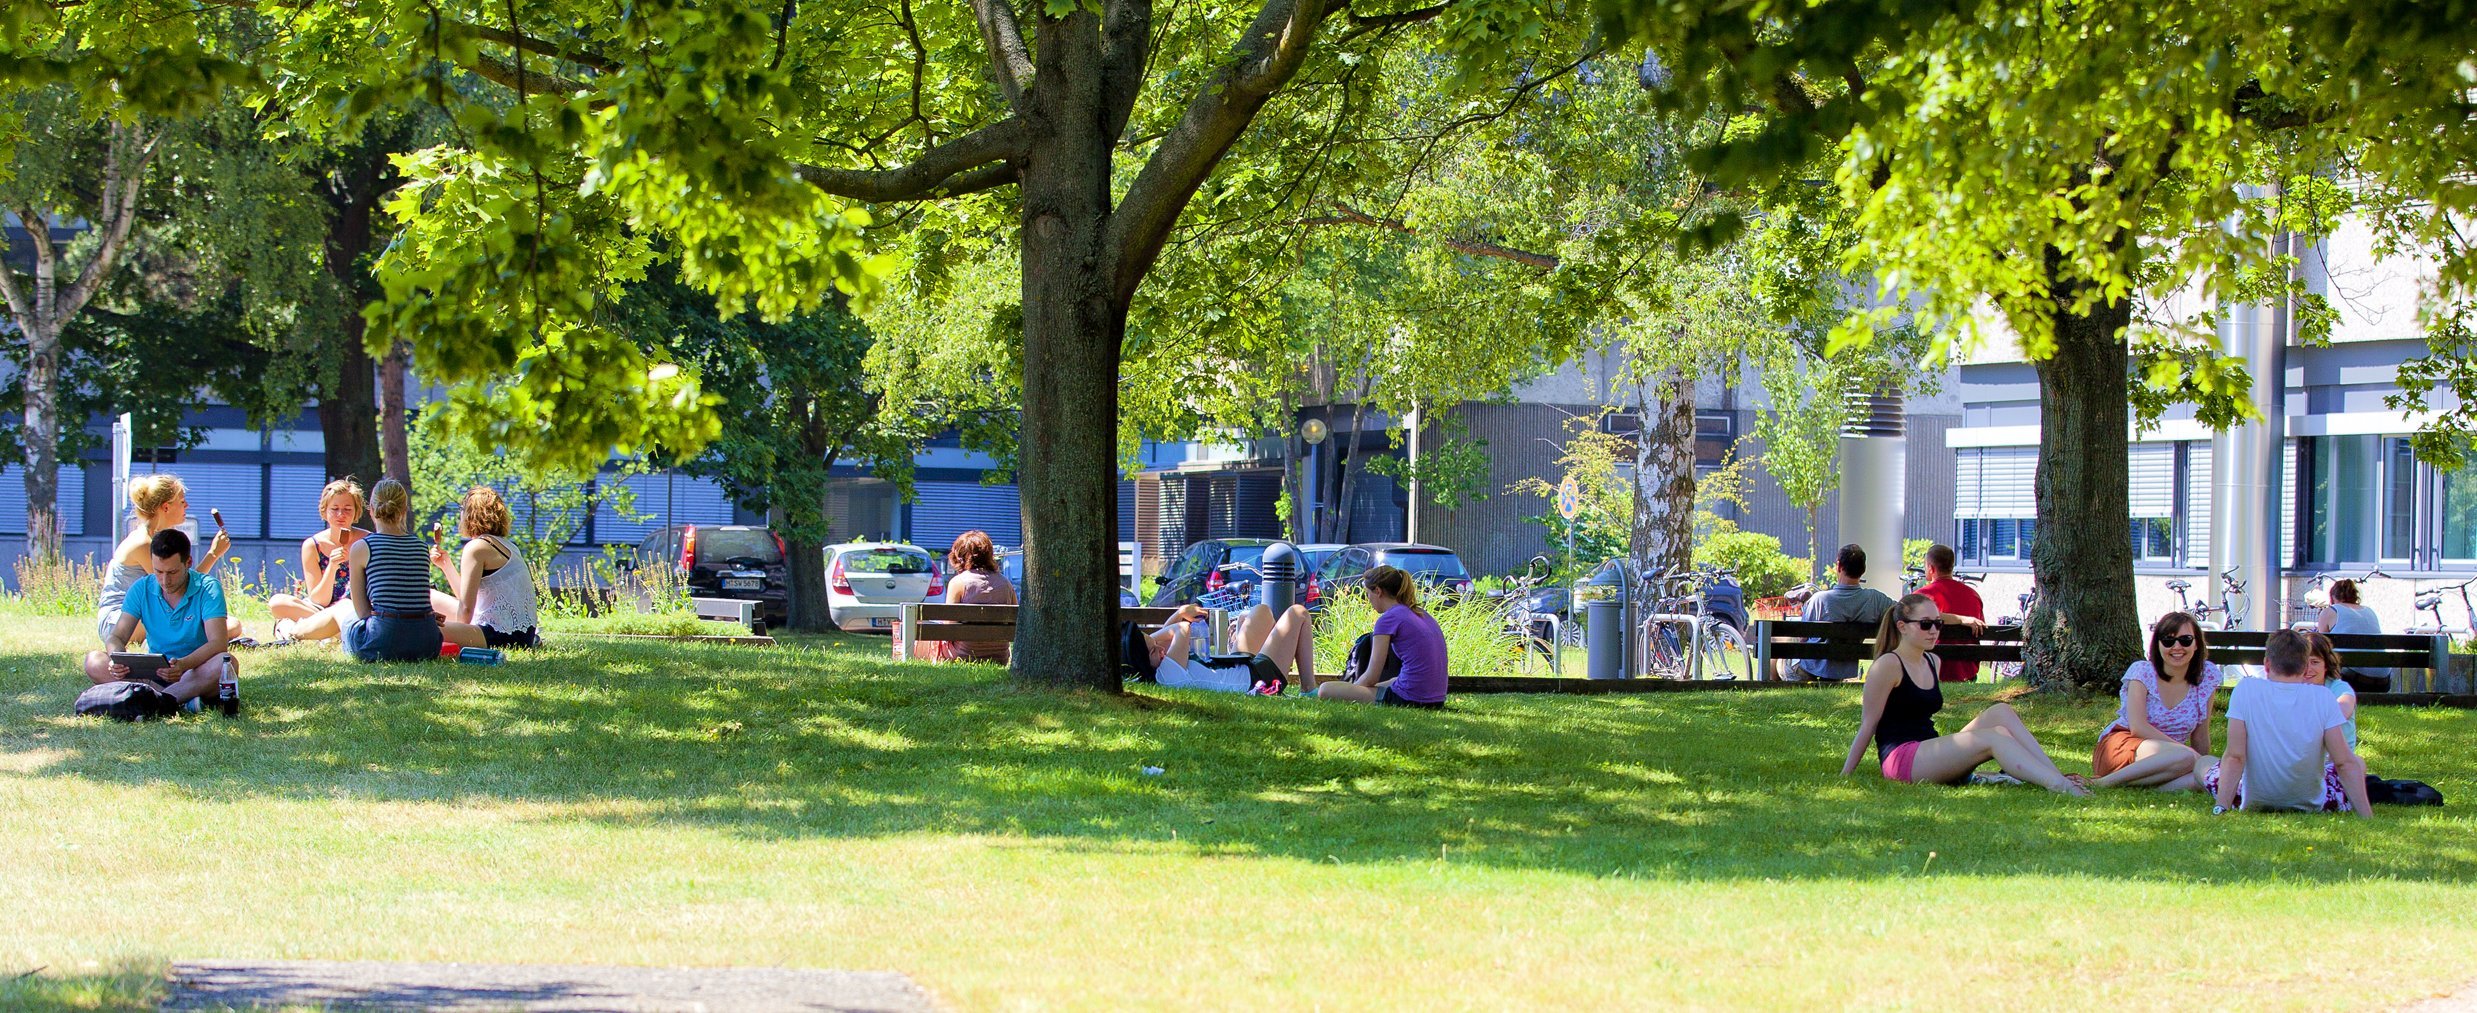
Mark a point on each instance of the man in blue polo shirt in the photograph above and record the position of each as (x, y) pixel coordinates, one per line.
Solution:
(183, 613)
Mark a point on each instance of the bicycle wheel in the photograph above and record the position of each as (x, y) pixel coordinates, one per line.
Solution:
(1660, 657)
(1726, 655)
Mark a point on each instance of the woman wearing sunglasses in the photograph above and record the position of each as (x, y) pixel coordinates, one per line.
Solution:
(2162, 733)
(1902, 695)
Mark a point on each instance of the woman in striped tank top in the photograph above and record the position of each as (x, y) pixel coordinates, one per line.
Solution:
(391, 585)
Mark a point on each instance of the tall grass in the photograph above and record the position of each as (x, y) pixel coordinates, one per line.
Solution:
(52, 585)
(1476, 640)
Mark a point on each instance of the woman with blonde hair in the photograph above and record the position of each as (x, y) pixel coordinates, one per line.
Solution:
(325, 571)
(162, 502)
(391, 585)
(1898, 706)
(1403, 630)
(493, 585)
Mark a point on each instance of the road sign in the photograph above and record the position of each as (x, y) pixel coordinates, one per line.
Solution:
(1569, 498)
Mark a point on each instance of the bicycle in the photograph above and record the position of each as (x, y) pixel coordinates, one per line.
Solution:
(2305, 612)
(2003, 670)
(2229, 610)
(2430, 599)
(1523, 619)
(1712, 648)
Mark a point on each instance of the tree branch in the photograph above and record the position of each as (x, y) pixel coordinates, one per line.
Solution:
(1126, 43)
(937, 172)
(1346, 215)
(525, 81)
(1010, 61)
(539, 47)
(1363, 24)
(18, 306)
(116, 229)
(1268, 55)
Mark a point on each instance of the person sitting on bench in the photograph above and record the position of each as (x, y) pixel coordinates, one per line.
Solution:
(182, 611)
(2285, 747)
(1901, 696)
(1844, 602)
(2162, 730)
(1402, 629)
(2345, 615)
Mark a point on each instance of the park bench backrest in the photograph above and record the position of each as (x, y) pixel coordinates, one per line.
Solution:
(1787, 638)
(995, 624)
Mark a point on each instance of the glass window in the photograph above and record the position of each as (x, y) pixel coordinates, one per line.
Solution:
(2029, 528)
(2003, 539)
(2460, 509)
(886, 560)
(2399, 498)
(2339, 525)
(2153, 539)
(1967, 541)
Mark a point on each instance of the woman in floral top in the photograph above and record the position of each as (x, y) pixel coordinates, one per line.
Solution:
(2161, 736)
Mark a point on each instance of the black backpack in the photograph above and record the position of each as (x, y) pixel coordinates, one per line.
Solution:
(2382, 792)
(126, 701)
(1358, 661)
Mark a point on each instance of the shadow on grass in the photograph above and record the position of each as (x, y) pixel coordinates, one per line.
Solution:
(129, 985)
(822, 739)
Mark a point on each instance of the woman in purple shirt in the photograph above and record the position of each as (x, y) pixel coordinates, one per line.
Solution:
(1405, 630)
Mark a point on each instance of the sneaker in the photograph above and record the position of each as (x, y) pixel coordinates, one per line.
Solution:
(1995, 778)
(1267, 687)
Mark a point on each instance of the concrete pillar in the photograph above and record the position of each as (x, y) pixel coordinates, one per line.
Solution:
(2246, 461)
(1874, 496)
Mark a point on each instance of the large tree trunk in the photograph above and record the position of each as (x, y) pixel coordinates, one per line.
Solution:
(2082, 632)
(1662, 535)
(393, 441)
(1073, 324)
(348, 407)
(806, 568)
(804, 538)
(41, 436)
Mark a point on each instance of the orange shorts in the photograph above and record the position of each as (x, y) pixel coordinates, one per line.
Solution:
(2116, 749)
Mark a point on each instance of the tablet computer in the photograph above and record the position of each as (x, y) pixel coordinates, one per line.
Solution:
(142, 666)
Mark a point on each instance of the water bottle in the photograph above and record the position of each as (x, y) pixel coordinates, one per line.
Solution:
(480, 656)
(228, 693)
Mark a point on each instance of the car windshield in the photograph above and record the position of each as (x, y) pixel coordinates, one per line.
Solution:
(746, 543)
(886, 561)
(1316, 557)
(1427, 565)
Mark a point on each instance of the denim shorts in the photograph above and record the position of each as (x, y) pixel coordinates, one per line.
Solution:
(385, 638)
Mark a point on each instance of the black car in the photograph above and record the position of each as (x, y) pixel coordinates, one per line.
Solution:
(1198, 569)
(725, 561)
(1432, 565)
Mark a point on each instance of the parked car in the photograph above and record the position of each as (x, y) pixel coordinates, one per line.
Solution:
(867, 583)
(1314, 555)
(725, 561)
(1433, 565)
(1198, 570)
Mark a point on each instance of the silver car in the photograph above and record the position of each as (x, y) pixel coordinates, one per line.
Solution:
(868, 582)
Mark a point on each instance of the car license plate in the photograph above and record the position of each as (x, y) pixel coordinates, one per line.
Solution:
(742, 583)
(881, 622)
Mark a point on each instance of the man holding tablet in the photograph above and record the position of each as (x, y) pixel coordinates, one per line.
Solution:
(183, 613)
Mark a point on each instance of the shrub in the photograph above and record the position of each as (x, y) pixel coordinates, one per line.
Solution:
(1763, 570)
(661, 624)
(1476, 640)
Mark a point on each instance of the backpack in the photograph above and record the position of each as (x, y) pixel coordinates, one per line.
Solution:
(126, 701)
(2382, 792)
(1357, 664)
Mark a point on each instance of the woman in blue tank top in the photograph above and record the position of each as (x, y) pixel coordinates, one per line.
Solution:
(1902, 696)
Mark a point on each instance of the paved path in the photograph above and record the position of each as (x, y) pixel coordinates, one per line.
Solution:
(227, 984)
(2463, 1000)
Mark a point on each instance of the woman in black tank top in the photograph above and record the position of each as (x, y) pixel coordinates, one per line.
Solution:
(1902, 698)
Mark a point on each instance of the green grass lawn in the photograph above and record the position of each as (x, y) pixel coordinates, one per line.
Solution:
(814, 805)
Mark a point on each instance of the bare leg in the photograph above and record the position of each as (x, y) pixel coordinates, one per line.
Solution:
(99, 668)
(2154, 763)
(442, 603)
(201, 681)
(463, 634)
(287, 606)
(1948, 759)
(1338, 690)
(2192, 780)
(1291, 642)
(2003, 716)
(1253, 629)
(326, 625)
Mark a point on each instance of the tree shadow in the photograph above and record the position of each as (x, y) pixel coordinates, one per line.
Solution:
(801, 742)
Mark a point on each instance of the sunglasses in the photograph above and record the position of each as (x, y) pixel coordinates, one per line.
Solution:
(2177, 640)
(1926, 625)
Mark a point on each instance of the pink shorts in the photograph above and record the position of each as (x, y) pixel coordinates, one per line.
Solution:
(1897, 762)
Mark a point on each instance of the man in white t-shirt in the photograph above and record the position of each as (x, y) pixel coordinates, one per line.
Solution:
(2280, 730)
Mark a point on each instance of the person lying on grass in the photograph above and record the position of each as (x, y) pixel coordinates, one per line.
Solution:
(1402, 629)
(2286, 750)
(1902, 695)
(183, 613)
(2163, 727)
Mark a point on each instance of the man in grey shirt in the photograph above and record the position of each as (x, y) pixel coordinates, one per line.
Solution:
(1844, 602)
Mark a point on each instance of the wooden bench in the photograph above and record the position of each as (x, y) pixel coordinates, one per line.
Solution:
(995, 624)
(1787, 639)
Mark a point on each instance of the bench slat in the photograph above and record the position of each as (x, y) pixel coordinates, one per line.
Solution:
(942, 612)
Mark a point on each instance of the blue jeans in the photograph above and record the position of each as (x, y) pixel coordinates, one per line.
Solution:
(385, 638)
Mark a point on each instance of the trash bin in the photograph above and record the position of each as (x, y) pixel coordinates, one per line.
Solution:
(1605, 636)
